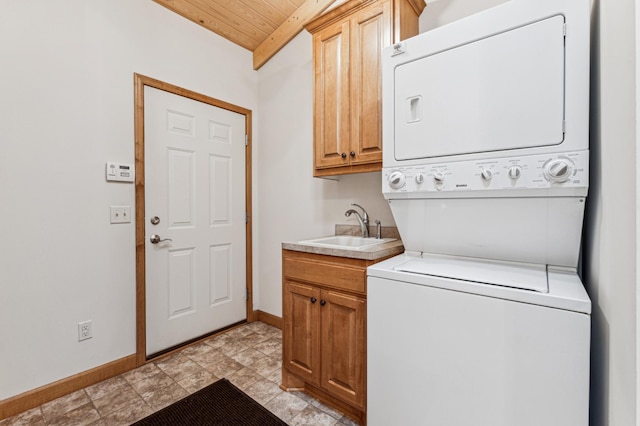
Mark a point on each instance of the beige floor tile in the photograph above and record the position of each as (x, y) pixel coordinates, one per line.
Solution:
(224, 366)
(152, 383)
(162, 396)
(286, 406)
(267, 365)
(31, 417)
(106, 387)
(81, 416)
(128, 414)
(65, 404)
(248, 357)
(312, 416)
(198, 381)
(179, 367)
(141, 373)
(263, 391)
(117, 400)
(244, 378)
(271, 346)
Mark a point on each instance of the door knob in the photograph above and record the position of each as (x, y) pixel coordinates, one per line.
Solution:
(155, 239)
(155, 220)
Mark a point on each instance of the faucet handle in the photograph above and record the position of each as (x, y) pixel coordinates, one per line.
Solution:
(378, 229)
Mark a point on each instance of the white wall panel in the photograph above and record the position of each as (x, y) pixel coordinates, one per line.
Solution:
(67, 108)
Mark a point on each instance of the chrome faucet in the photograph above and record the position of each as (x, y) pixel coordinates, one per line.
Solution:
(363, 220)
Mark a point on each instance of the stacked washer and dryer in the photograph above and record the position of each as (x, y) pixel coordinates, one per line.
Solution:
(484, 319)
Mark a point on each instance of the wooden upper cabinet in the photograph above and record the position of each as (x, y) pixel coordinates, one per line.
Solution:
(347, 55)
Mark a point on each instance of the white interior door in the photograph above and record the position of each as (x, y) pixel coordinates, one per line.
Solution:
(195, 206)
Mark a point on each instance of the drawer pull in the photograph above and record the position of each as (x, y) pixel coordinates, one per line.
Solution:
(323, 302)
(313, 300)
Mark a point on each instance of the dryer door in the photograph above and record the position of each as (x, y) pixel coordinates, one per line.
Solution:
(505, 91)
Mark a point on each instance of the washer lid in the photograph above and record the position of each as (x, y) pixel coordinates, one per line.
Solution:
(524, 276)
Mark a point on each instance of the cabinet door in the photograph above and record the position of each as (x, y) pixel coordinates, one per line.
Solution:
(370, 33)
(331, 96)
(301, 331)
(343, 346)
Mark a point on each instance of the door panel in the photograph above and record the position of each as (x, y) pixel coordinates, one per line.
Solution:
(195, 183)
(331, 111)
(301, 352)
(371, 32)
(343, 346)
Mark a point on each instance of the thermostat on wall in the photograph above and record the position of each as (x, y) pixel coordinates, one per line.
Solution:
(120, 172)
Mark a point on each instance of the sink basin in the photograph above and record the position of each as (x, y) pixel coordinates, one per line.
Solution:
(346, 242)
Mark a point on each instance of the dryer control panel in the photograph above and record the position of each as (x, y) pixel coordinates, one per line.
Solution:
(545, 175)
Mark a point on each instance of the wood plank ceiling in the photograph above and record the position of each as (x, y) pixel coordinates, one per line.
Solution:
(261, 26)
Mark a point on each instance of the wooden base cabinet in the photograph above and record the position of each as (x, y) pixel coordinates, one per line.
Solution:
(324, 329)
(347, 57)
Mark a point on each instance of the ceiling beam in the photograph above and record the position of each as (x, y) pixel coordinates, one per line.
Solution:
(288, 30)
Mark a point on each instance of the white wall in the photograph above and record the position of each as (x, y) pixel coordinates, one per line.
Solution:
(66, 107)
(610, 231)
(441, 12)
(292, 204)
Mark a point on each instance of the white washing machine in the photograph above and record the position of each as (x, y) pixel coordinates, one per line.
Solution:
(484, 320)
(459, 341)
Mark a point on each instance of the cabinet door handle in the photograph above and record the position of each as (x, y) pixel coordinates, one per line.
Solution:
(313, 300)
(352, 153)
(323, 302)
(344, 155)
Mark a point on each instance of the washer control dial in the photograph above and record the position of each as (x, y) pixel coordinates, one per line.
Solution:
(515, 172)
(486, 174)
(558, 170)
(397, 180)
(419, 178)
(438, 177)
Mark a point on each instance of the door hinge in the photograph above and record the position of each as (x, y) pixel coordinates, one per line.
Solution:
(564, 30)
(247, 293)
(246, 217)
(564, 126)
(246, 140)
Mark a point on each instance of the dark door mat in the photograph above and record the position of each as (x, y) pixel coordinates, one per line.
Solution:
(220, 403)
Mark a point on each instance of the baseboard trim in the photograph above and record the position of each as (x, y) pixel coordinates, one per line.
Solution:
(268, 318)
(33, 398)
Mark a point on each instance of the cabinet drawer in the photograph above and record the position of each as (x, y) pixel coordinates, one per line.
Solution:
(344, 277)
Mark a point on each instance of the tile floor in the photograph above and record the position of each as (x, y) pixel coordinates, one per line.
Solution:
(249, 356)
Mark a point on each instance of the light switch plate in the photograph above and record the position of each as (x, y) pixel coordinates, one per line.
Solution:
(120, 214)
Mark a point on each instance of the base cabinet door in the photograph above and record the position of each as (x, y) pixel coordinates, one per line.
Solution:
(301, 331)
(343, 346)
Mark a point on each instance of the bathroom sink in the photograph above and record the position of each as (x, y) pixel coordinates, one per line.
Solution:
(346, 242)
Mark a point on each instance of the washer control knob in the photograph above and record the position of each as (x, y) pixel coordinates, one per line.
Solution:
(396, 180)
(419, 178)
(515, 172)
(558, 170)
(486, 174)
(438, 177)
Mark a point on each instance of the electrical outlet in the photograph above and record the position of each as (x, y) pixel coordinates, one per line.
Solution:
(85, 330)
